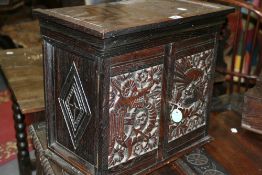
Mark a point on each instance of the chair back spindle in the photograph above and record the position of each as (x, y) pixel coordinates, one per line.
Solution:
(244, 60)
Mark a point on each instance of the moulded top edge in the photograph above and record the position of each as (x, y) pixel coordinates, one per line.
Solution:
(117, 18)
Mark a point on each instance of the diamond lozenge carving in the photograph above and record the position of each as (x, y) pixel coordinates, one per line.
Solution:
(74, 106)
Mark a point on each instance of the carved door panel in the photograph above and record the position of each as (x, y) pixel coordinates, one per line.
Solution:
(134, 107)
(188, 95)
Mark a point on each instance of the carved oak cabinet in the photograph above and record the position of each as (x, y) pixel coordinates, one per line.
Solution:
(127, 84)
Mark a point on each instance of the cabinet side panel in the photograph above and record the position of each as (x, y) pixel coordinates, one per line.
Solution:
(75, 100)
(71, 103)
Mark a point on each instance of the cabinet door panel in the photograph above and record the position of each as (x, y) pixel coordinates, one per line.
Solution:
(134, 107)
(190, 85)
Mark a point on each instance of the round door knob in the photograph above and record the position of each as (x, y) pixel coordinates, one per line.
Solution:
(176, 115)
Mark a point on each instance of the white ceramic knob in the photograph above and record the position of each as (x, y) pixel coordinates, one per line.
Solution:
(176, 115)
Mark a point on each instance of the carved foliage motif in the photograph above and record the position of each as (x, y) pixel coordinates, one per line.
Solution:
(74, 106)
(189, 93)
(134, 101)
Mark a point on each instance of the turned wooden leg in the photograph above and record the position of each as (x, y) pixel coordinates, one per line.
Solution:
(22, 145)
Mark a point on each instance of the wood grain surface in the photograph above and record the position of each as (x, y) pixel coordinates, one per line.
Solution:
(23, 69)
(239, 153)
(118, 18)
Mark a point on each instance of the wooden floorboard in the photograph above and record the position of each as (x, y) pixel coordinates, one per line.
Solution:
(239, 153)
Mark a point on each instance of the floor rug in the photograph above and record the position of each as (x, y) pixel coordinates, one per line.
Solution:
(4, 96)
(199, 162)
(8, 148)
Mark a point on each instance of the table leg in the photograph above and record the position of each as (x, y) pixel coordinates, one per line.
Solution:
(22, 145)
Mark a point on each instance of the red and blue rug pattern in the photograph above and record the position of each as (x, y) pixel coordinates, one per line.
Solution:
(8, 148)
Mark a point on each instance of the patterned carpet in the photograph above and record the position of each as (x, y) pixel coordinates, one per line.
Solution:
(7, 135)
(8, 149)
(200, 162)
(4, 96)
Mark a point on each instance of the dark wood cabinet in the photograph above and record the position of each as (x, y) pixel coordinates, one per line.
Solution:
(127, 84)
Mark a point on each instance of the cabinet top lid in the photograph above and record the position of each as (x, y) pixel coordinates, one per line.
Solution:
(123, 17)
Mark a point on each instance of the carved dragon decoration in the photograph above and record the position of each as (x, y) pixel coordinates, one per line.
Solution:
(189, 94)
(134, 114)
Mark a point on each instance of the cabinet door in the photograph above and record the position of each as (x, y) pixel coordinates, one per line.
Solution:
(134, 109)
(189, 89)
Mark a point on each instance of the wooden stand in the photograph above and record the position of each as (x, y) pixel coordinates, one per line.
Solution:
(252, 113)
(128, 84)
